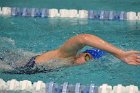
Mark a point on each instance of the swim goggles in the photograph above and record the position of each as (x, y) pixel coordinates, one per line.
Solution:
(87, 57)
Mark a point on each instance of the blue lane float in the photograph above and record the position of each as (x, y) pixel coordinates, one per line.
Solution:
(41, 87)
(69, 13)
(16, 12)
(107, 15)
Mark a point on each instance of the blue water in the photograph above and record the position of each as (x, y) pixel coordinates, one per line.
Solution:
(37, 35)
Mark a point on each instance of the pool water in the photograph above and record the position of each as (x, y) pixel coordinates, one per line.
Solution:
(36, 35)
(29, 36)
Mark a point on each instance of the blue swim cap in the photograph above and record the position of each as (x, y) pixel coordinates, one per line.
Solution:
(96, 53)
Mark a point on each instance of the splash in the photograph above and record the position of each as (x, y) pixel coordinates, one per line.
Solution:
(5, 67)
(5, 41)
(11, 56)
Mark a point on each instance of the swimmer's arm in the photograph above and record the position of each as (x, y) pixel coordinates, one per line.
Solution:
(74, 44)
(94, 41)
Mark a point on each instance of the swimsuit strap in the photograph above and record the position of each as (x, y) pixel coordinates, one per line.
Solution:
(31, 62)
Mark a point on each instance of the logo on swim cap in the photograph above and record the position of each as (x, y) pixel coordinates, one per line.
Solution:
(96, 53)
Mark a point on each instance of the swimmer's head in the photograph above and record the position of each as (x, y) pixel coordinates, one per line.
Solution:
(89, 54)
(83, 57)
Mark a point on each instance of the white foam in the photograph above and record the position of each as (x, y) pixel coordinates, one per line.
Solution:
(83, 14)
(6, 11)
(5, 67)
(131, 16)
(53, 13)
(8, 40)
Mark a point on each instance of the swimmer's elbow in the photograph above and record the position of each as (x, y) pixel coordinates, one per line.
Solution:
(83, 38)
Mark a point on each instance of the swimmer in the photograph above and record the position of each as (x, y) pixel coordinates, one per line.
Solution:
(69, 52)
(71, 47)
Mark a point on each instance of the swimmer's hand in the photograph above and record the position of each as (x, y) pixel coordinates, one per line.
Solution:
(131, 57)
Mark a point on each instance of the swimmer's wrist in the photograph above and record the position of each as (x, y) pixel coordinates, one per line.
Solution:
(120, 54)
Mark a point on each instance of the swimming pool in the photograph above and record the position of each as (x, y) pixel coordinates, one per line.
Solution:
(36, 35)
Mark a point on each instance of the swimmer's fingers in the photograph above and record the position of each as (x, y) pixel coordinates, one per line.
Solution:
(138, 57)
(136, 52)
(138, 60)
(138, 63)
(134, 63)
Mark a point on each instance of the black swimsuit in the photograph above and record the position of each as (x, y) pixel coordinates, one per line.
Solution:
(29, 68)
(31, 62)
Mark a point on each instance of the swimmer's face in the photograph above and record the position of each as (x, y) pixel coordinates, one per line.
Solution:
(83, 57)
